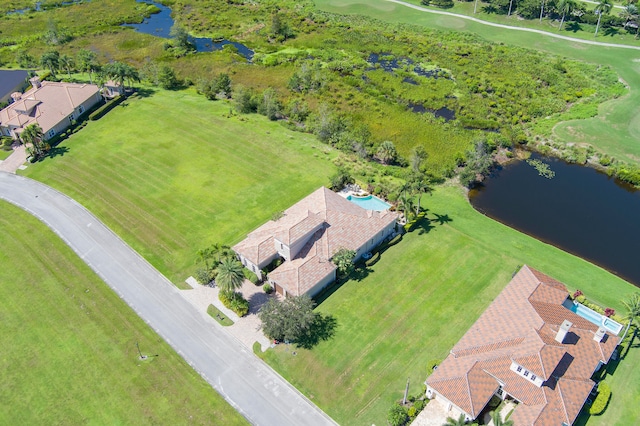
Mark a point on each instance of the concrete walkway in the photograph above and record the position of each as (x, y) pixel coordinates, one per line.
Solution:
(434, 414)
(529, 30)
(258, 393)
(14, 161)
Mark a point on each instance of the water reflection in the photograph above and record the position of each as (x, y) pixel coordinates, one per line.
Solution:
(580, 210)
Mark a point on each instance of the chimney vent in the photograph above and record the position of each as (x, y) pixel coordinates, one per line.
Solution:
(563, 330)
(599, 334)
(35, 82)
(16, 96)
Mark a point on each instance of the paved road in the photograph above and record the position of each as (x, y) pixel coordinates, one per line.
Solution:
(247, 383)
(529, 30)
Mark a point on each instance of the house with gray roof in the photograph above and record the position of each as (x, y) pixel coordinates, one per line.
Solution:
(527, 346)
(307, 236)
(51, 105)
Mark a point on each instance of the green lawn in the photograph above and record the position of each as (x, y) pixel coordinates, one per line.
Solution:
(69, 345)
(419, 299)
(4, 154)
(615, 130)
(171, 174)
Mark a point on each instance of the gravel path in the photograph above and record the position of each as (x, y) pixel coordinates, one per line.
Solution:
(247, 383)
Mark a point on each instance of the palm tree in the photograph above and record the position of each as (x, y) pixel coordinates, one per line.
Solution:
(230, 276)
(67, 63)
(32, 136)
(497, 420)
(460, 421)
(387, 152)
(51, 60)
(566, 7)
(88, 62)
(418, 156)
(541, 9)
(633, 310)
(420, 186)
(120, 72)
(510, 6)
(629, 13)
(603, 7)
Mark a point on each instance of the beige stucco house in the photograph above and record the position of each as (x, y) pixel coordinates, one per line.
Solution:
(529, 347)
(307, 236)
(52, 105)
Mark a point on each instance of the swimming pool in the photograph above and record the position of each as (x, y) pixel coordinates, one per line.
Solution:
(592, 316)
(370, 202)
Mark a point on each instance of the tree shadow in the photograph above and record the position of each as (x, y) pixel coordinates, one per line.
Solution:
(422, 225)
(322, 329)
(256, 300)
(145, 92)
(442, 218)
(611, 31)
(573, 26)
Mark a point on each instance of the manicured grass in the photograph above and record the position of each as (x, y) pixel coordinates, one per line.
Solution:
(616, 128)
(171, 173)
(216, 314)
(69, 345)
(418, 300)
(4, 154)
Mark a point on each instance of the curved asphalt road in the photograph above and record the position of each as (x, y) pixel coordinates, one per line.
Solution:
(247, 383)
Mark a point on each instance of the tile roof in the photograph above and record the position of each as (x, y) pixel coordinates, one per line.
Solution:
(338, 223)
(47, 105)
(483, 357)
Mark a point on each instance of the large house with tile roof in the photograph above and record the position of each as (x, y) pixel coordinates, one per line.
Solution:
(51, 105)
(307, 236)
(529, 347)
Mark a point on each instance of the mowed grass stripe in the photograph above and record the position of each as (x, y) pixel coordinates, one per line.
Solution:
(68, 344)
(172, 173)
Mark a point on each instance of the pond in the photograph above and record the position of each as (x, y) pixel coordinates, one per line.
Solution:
(580, 210)
(159, 25)
(444, 112)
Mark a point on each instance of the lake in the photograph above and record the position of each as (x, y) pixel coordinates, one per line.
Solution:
(580, 210)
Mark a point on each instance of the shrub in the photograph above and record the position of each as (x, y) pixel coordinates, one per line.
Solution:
(419, 405)
(580, 299)
(98, 113)
(267, 288)
(602, 400)
(577, 293)
(608, 312)
(395, 240)
(397, 416)
(372, 261)
(250, 276)
(235, 302)
(203, 275)
(412, 412)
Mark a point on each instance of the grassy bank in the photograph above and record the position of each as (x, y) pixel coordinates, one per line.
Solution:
(172, 173)
(69, 344)
(419, 299)
(616, 127)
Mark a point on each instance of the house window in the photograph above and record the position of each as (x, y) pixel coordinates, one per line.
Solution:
(533, 377)
(52, 133)
(519, 369)
(81, 109)
(71, 119)
(526, 373)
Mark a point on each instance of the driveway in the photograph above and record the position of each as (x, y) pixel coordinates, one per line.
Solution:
(247, 383)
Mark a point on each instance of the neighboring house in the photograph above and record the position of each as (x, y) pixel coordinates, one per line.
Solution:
(12, 81)
(111, 89)
(528, 347)
(306, 237)
(54, 106)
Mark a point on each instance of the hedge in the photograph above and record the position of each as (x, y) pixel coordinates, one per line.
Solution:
(600, 404)
(98, 113)
(250, 276)
(372, 261)
(235, 302)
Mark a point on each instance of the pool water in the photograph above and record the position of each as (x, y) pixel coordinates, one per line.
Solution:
(370, 202)
(592, 316)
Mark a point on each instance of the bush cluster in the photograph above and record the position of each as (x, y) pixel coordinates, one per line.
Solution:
(601, 401)
(235, 302)
(250, 276)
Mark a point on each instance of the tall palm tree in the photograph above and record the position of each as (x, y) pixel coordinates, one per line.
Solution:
(120, 72)
(32, 137)
(418, 156)
(510, 7)
(497, 419)
(230, 276)
(541, 9)
(67, 63)
(460, 421)
(51, 60)
(565, 7)
(633, 310)
(88, 62)
(603, 7)
(420, 186)
(629, 13)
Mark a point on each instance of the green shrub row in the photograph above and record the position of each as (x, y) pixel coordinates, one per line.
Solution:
(250, 276)
(372, 261)
(98, 113)
(235, 302)
(600, 404)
